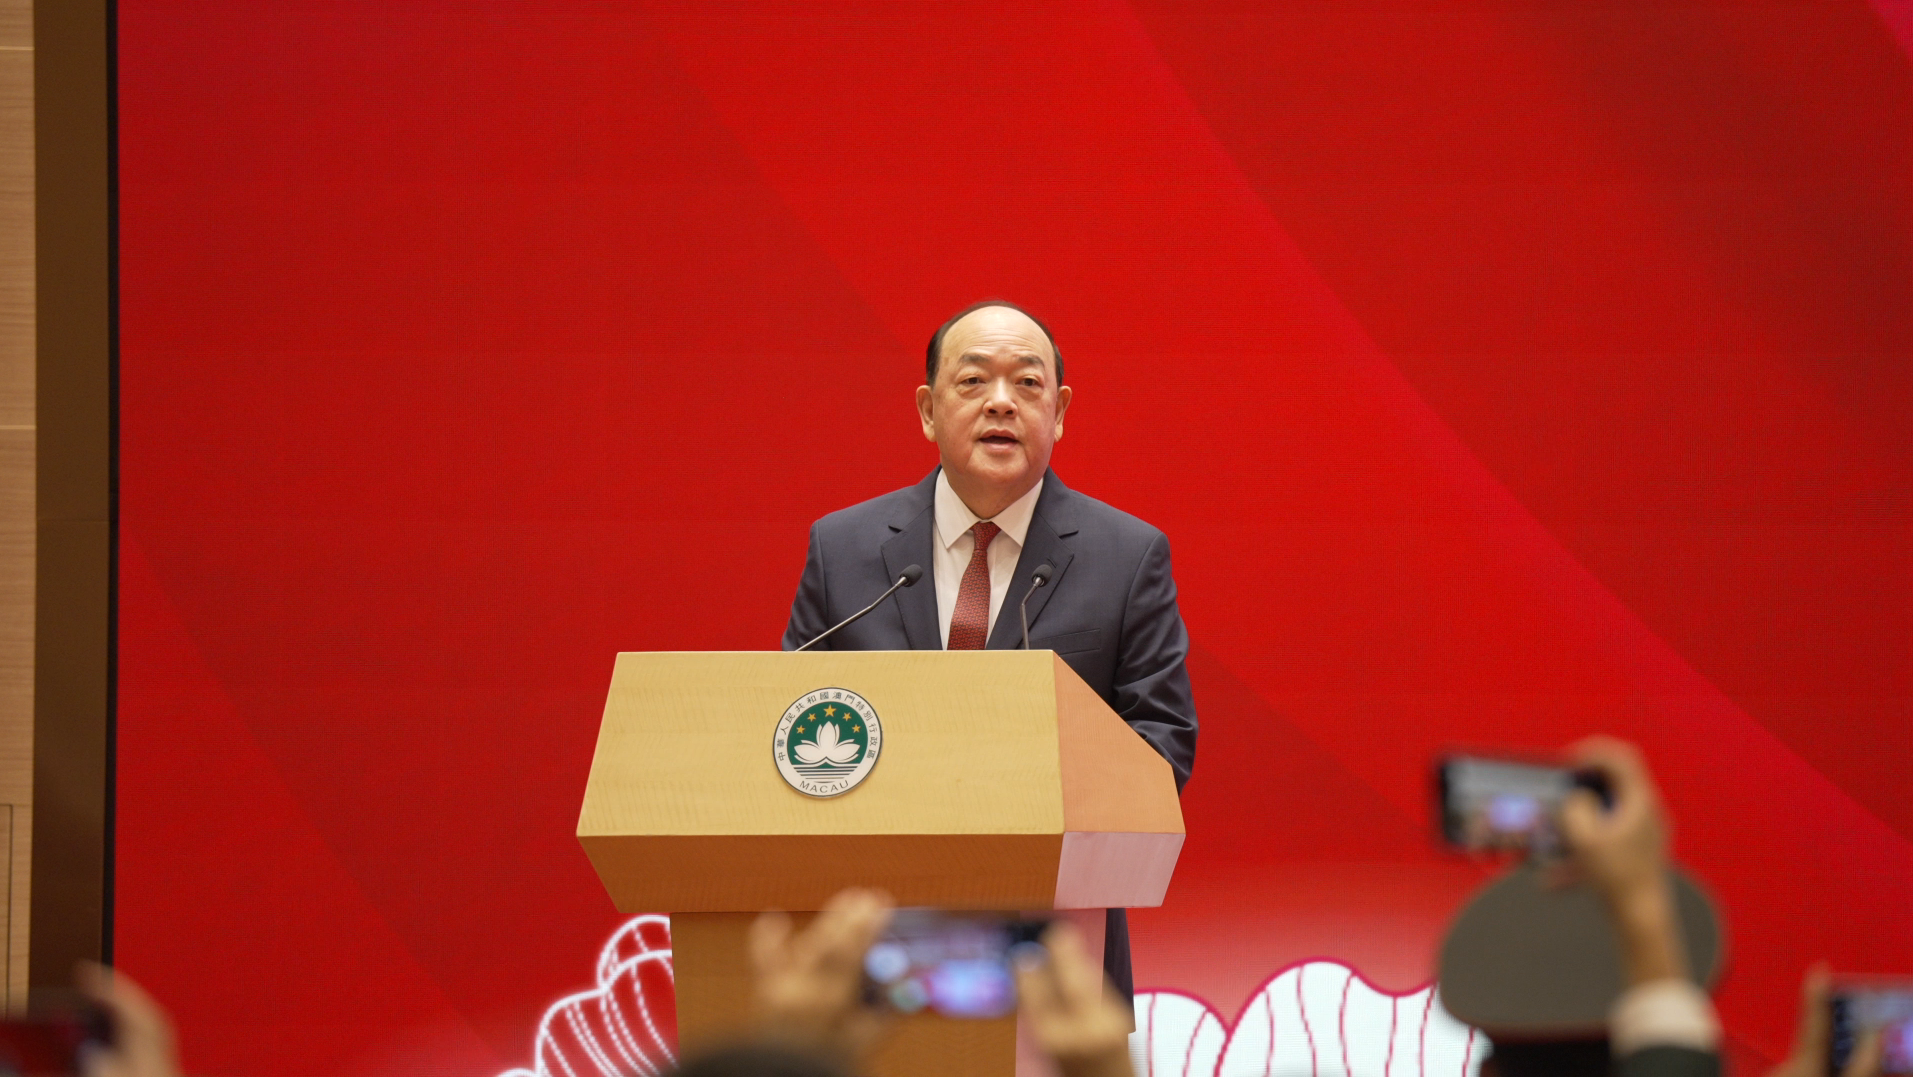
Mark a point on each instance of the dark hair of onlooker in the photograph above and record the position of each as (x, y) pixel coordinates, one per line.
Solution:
(935, 352)
(757, 1060)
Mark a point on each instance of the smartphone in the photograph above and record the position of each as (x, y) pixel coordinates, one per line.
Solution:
(956, 964)
(34, 1046)
(1864, 1004)
(1502, 803)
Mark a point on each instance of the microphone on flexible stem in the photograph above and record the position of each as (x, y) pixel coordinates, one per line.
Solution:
(1037, 579)
(904, 579)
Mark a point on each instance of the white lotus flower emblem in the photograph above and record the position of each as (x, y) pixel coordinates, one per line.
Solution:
(827, 748)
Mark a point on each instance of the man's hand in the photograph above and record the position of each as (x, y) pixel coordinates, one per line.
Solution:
(1622, 853)
(808, 985)
(143, 1043)
(1811, 1044)
(1069, 1007)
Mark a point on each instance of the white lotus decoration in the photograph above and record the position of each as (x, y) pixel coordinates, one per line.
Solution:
(829, 747)
(626, 1026)
(1315, 1019)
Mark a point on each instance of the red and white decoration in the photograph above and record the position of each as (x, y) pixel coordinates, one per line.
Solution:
(1315, 1019)
(627, 1025)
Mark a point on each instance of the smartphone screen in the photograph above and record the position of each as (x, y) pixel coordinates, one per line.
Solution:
(1498, 804)
(954, 964)
(1859, 1008)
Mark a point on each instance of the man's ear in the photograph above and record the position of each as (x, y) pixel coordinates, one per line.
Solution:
(1063, 395)
(926, 411)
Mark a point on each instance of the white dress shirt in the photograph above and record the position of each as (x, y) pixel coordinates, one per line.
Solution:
(955, 543)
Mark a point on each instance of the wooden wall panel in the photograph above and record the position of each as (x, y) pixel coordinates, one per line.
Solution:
(73, 493)
(16, 25)
(16, 229)
(16, 690)
(18, 438)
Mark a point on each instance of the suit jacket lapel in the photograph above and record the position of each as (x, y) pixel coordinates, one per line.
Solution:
(1050, 524)
(915, 531)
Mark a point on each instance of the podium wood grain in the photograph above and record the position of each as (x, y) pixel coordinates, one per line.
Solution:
(713, 976)
(997, 769)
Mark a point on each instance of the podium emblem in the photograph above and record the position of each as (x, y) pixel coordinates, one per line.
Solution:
(827, 742)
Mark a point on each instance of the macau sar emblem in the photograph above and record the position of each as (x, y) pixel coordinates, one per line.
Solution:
(827, 742)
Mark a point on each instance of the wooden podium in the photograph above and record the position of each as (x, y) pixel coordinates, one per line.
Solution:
(1002, 782)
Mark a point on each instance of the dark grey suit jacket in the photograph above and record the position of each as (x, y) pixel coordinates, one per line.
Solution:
(1110, 611)
(1669, 1062)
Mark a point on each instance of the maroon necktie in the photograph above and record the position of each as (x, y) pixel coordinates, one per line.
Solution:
(970, 623)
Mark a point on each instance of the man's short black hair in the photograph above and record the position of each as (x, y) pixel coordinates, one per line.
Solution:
(935, 352)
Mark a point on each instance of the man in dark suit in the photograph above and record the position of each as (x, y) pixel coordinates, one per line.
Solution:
(993, 402)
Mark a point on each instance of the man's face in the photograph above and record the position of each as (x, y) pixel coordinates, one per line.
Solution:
(995, 411)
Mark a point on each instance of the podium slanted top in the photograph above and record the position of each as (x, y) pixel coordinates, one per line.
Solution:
(738, 781)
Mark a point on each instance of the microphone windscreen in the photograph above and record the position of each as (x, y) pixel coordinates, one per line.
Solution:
(1043, 572)
(912, 574)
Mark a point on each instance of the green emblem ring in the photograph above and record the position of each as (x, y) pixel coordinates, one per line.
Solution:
(827, 742)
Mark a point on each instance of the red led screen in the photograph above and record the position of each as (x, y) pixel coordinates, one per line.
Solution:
(1499, 372)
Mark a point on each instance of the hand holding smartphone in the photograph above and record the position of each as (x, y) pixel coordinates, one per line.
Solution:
(1488, 803)
(1861, 1005)
(950, 963)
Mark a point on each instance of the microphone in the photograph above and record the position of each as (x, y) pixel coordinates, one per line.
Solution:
(904, 579)
(1037, 579)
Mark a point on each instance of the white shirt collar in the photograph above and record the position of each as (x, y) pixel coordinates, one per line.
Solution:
(954, 518)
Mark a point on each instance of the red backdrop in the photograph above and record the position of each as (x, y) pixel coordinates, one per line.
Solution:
(1499, 372)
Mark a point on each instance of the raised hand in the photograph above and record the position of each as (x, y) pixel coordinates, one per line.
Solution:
(1811, 1039)
(1068, 1005)
(1621, 851)
(143, 1044)
(807, 985)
